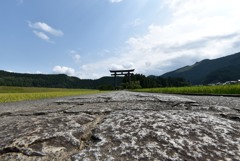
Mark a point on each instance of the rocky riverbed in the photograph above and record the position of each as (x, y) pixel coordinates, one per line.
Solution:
(121, 126)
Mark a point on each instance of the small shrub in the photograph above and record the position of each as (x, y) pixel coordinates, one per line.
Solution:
(106, 87)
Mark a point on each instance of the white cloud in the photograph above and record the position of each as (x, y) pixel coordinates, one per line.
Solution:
(148, 64)
(38, 72)
(137, 22)
(64, 70)
(128, 65)
(43, 30)
(46, 28)
(10, 71)
(116, 67)
(115, 1)
(196, 30)
(75, 55)
(125, 66)
(41, 35)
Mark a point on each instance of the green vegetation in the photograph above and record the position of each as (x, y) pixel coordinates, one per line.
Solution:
(210, 71)
(106, 87)
(53, 81)
(12, 94)
(141, 81)
(223, 89)
(104, 83)
(204, 72)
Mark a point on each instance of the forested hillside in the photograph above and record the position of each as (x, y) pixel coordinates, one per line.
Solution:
(53, 81)
(210, 71)
(64, 81)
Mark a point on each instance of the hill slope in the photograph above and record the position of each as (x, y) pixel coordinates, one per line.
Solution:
(210, 71)
(52, 80)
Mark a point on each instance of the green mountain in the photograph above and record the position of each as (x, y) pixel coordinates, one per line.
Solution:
(53, 81)
(210, 71)
(204, 72)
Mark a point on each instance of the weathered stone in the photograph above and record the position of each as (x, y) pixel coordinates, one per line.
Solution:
(120, 126)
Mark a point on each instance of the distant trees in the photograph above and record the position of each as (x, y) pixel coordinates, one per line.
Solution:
(141, 81)
(106, 87)
(131, 85)
(55, 81)
(104, 83)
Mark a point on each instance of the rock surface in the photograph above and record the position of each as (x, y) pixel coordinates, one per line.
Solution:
(121, 126)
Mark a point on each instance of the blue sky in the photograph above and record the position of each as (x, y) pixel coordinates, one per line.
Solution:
(86, 38)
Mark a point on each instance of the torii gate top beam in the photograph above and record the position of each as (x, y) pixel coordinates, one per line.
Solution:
(123, 73)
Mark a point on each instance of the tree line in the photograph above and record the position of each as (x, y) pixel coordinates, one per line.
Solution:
(64, 81)
(53, 81)
(142, 81)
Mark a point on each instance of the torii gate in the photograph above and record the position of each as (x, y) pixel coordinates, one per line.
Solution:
(123, 73)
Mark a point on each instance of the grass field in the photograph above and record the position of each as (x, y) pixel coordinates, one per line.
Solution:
(221, 89)
(13, 94)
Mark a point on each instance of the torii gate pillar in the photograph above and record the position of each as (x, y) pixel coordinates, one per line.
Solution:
(127, 73)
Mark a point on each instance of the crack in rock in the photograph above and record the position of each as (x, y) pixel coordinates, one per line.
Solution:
(166, 135)
(46, 137)
(32, 113)
(230, 116)
(121, 126)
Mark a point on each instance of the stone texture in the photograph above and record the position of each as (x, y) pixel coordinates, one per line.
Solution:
(121, 126)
